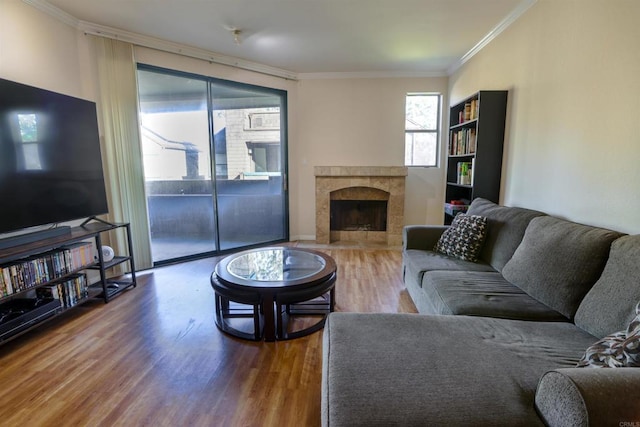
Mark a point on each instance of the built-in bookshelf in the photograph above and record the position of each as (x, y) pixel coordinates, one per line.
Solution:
(41, 279)
(474, 150)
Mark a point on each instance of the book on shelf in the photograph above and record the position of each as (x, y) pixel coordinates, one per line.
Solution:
(469, 111)
(463, 142)
(455, 208)
(472, 170)
(474, 109)
(464, 173)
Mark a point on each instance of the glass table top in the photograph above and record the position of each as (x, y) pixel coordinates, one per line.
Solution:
(275, 264)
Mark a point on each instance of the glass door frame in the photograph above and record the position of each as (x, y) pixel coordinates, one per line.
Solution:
(283, 97)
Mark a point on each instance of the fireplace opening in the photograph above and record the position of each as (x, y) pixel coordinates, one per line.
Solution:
(358, 215)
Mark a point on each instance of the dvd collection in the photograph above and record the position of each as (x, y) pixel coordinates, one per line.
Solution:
(45, 267)
(69, 291)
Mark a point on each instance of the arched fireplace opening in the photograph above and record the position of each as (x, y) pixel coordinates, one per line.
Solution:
(358, 209)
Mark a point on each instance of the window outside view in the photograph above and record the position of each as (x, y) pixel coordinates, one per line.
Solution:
(422, 128)
(176, 144)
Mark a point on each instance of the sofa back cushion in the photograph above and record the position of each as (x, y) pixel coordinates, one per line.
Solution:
(558, 261)
(608, 307)
(505, 228)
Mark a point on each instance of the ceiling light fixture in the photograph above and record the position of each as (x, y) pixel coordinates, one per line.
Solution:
(235, 32)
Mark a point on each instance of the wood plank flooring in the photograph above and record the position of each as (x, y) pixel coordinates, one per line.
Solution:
(153, 356)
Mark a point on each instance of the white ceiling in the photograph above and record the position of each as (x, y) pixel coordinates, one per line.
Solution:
(417, 37)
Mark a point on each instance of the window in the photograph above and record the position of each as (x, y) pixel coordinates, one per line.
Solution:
(422, 128)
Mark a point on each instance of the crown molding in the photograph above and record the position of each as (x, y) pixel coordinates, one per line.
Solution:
(371, 75)
(181, 49)
(209, 56)
(158, 44)
(54, 11)
(503, 25)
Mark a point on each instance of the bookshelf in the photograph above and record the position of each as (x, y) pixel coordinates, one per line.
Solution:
(474, 150)
(44, 278)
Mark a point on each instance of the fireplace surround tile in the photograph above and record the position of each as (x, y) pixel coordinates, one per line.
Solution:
(365, 181)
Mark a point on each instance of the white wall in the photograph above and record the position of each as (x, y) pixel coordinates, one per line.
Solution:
(573, 71)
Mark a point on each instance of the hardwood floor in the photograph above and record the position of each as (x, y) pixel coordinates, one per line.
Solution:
(153, 356)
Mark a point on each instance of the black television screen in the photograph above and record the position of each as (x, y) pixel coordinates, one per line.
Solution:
(50, 163)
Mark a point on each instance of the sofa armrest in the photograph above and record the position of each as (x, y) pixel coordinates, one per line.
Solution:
(422, 237)
(589, 397)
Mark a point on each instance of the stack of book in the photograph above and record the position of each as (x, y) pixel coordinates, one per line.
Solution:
(456, 207)
(470, 111)
(464, 173)
(463, 142)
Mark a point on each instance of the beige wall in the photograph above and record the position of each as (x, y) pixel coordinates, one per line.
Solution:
(573, 71)
(360, 122)
(37, 50)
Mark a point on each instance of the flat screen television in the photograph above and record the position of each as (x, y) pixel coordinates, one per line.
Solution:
(50, 163)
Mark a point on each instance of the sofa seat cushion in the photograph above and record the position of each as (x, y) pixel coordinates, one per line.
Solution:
(505, 229)
(559, 261)
(415, 370)
(608, 306)
(482, 294)
(417, 261)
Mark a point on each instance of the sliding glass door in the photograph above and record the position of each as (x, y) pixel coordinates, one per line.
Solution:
(248, 134)
(214, 164)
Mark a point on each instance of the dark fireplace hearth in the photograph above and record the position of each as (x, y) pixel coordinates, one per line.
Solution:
(358, 215)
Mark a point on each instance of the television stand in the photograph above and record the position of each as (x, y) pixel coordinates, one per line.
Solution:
(53, 270)
(23, 239)
(95, 218)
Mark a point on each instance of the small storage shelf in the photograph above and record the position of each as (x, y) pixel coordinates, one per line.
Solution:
(115, 261)
(44, 278)
(474, 155)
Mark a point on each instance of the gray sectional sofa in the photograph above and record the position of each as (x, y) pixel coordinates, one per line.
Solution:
(497, 341)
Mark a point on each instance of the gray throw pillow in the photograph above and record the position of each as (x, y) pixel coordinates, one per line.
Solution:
(558, 261)
(464, 238)
(609, 304)
(505, 228)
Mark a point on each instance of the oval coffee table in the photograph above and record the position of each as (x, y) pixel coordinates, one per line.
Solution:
(279, 283)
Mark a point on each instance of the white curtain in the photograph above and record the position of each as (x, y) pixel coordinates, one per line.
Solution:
(121, 151)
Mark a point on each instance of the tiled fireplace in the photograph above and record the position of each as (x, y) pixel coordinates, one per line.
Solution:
(359, 197)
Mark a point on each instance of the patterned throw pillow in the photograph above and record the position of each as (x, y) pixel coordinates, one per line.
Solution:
(464, 238)
(621, 349)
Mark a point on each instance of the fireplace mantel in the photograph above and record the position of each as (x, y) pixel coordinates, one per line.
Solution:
(368, 171)
(390, 179)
